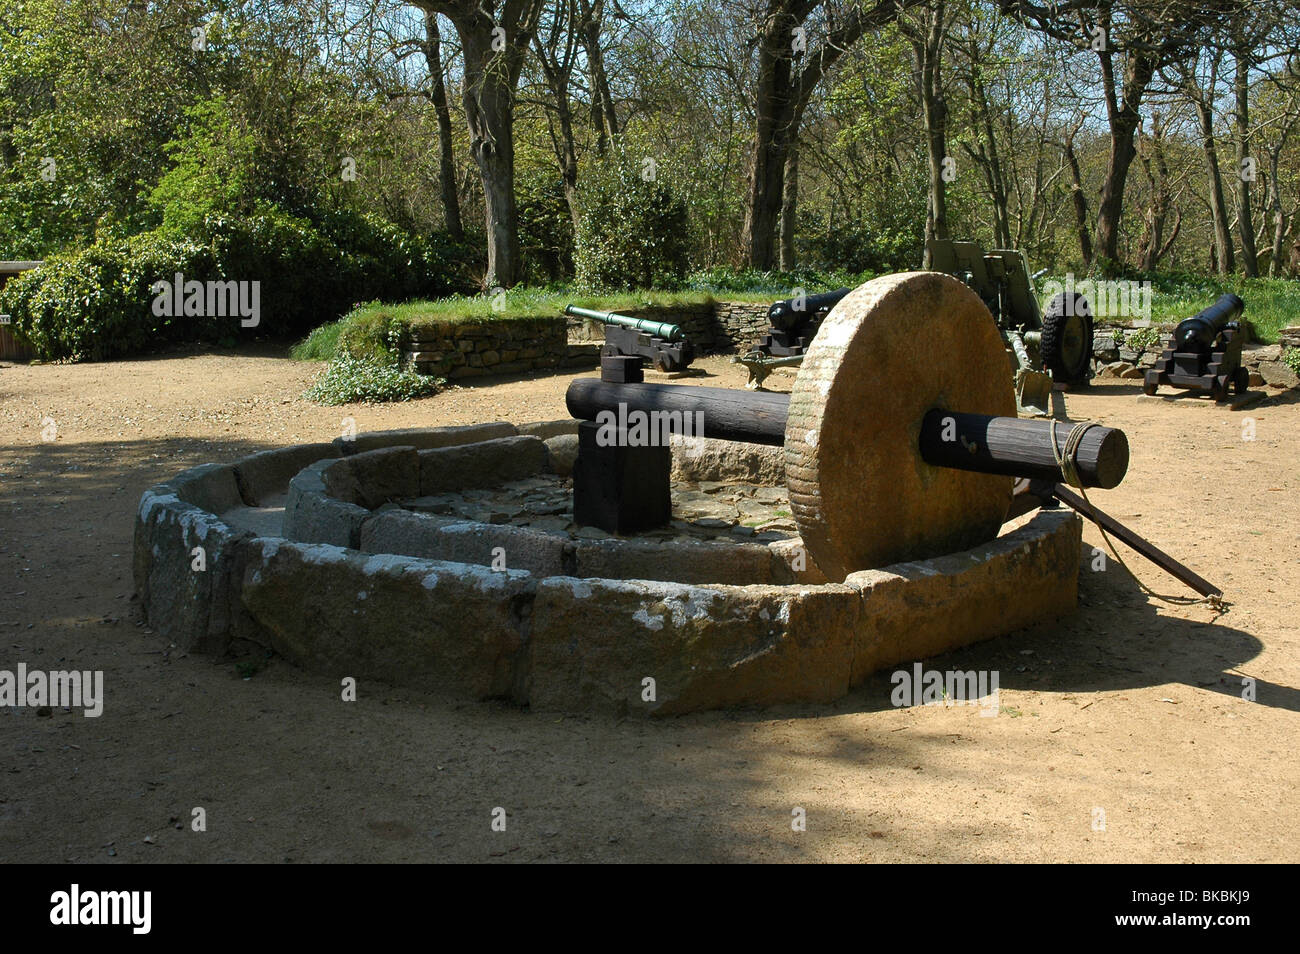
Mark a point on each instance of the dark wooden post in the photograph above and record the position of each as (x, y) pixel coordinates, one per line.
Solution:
(617, 486)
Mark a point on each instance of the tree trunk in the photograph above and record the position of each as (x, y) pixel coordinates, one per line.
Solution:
(934, 113)
(1223, 255)
(1124, 121)
(442, 108)
(779, 98)
(603, 118)
(789, 202)
(489, 109)
(556, 60)
(1275, 268)
(773, 106)
(567, 155)
(1245, 225)
(1149, 35)
(1153, 246)
(1080, 200)
(987, 156)
(488, 94)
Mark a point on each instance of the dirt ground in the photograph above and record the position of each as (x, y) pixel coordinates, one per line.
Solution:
(1128, 707)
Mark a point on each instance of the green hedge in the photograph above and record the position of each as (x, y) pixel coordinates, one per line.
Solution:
(97, 302)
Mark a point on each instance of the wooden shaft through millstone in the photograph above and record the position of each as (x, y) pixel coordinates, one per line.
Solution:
(725, 413)
(974, 442)
(1021, 448)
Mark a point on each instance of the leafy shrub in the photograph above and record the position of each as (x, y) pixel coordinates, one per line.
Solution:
(871, 246)
(723, 280)
(380, 259)
(310, 271)
(545, 224)
(1291, 358)
(1143, 338)
(348, 379)
(97, 303)
(213, 169)
(303, 275)
(885, 233)
(634, 231)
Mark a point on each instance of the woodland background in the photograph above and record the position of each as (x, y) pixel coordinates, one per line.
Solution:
(348, 151)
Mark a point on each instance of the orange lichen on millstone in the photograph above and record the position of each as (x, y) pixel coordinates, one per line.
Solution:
(890, 351)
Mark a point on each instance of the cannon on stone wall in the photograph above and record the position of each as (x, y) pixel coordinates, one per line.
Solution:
(660, 343)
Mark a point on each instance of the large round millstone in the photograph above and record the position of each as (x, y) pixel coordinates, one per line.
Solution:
(890, 351)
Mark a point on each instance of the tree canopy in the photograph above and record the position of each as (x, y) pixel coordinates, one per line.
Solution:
(1094, 134)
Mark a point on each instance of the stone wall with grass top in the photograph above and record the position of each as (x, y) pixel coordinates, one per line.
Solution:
(472, 349)
(456, 350)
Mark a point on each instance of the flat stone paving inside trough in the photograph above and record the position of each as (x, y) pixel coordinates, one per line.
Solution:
(704, 510)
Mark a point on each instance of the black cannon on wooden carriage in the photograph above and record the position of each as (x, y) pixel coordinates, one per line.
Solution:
(1204, 353)
(794, 322)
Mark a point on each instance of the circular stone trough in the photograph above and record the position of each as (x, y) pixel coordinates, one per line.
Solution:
(444, 559)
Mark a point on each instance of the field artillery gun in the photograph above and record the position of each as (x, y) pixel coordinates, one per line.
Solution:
(660, 343)
(1204, 353)
(1048, 347)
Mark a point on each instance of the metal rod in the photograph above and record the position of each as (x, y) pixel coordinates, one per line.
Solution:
(1149, 550)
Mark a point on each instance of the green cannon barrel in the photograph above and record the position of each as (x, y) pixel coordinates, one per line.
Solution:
(657, 329)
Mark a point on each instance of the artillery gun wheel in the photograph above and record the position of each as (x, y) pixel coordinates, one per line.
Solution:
(1067, 338)
(1240, 381)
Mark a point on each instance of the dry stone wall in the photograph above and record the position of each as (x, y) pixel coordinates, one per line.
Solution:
(473, 349)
